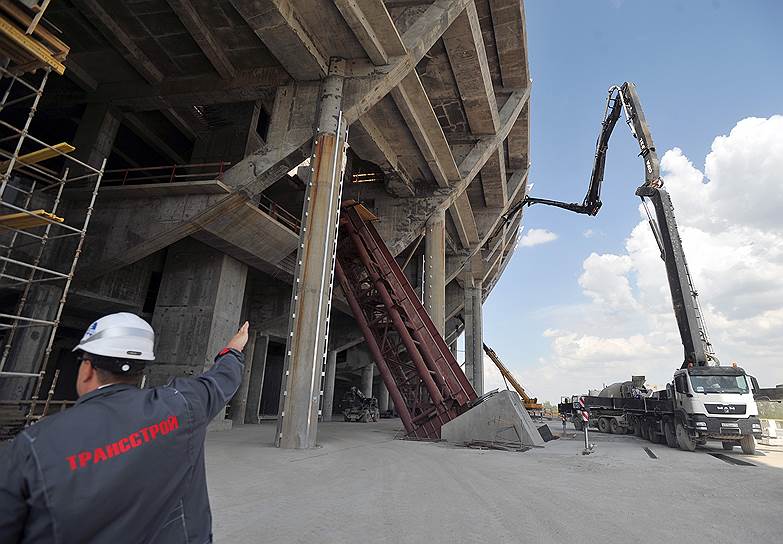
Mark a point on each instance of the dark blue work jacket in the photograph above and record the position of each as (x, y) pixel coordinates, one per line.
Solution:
(123, 465)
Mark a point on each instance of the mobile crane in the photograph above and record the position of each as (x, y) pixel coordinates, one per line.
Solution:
(705, 400)
(531, 404)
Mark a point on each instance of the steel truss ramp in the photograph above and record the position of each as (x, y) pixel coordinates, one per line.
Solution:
(424, 380)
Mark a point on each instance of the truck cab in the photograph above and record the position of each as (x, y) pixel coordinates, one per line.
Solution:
(716, 403)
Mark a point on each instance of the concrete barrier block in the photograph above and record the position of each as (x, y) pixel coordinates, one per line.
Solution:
(500, 417)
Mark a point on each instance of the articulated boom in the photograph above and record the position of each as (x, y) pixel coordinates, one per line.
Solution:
(693, 332)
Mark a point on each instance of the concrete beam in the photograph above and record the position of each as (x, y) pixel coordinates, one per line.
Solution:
(201, 34)
(362, 93)
(486, 146)
(371, 144)
(108, 25)
(493, 180)
(360, 20)
(183, 121)
(276, 23)
(247, 86)
(462, 214)
(128, 236)
(79, 75)
(416, 109)
(508, 20)
(465, 48)
(144, 132)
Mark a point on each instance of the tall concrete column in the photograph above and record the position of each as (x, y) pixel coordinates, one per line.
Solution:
(197, 311)
(383, 397)
(312, 294)
(435, 270)
(256, 381)
(454, 350)
(474, 341)
(239, 402)
(331, 370)
(96, 133)
(367, 374)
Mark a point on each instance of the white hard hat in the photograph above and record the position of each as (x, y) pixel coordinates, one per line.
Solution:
(122, 335)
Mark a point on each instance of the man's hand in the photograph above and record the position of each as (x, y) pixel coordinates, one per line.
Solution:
(240, 338)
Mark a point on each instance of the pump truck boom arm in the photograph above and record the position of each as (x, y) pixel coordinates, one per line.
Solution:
(693, 333)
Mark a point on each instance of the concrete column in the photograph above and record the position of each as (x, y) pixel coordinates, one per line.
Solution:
(435, 270)
(474, 342)
(367, 374)
(239, 402)
(383, 397)
(312, 294)
(256, 381)
(96, 133)
(331, 370)
(454, 350)
(197, 310)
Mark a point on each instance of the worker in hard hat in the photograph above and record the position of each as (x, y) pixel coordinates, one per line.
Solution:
(124, 464)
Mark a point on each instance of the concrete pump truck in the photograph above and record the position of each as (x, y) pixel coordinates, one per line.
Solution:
(704, 401)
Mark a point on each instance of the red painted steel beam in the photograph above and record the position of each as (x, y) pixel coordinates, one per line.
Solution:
(378, 357)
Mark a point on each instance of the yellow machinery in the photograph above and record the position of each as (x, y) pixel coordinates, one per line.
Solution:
(531, 404)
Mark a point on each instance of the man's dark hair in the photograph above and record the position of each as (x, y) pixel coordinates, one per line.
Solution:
(109, 370)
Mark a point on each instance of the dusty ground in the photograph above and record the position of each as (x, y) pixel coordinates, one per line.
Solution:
(363, 486)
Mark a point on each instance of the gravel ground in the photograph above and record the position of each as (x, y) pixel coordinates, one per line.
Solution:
(361, 485)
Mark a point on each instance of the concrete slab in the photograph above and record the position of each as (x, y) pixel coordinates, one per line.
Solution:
(499, 418)
(361, 484)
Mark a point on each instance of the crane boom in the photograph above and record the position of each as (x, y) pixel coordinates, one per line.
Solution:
(530, 403)
(693, 331)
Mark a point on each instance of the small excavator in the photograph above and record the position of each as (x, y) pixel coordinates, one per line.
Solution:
(531, 404)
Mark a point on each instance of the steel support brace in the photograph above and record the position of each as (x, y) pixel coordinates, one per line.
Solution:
(423, 378)
(312, 293)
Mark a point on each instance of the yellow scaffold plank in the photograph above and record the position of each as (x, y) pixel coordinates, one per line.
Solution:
(46, 153)
(35, 218)
(29, 45)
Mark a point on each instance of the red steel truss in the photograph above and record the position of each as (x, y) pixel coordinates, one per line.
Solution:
(424, 380)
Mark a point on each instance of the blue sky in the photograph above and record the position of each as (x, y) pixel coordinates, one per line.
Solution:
(700, 67)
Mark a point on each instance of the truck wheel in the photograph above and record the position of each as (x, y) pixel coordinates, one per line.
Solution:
(728, 446)
(748, 444)
(684, 440)
(603, 425)
(637, 428)
(615, 427)
(668, 431)
(652, 433)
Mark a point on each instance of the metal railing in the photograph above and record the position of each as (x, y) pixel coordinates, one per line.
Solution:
(207, 171)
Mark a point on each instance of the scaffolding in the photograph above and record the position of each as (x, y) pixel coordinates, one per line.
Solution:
(41, 239)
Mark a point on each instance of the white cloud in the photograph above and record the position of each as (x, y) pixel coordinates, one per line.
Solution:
(536, 237)
(732, 230)
(589, 233)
